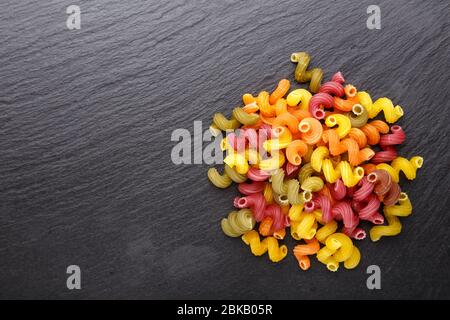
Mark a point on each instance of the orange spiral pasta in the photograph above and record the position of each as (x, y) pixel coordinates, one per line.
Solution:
(302, 251)
(355, 154)
(350, 91)
(359, 136)
(286, 120)
(343, 105)
(295, 150)
(280, 106)
(265, 108)
(280, 91)
(311, 130)
(373, 129)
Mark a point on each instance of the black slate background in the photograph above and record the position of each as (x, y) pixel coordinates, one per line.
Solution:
(85, 125)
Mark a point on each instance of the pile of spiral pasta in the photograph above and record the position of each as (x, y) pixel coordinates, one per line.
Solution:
(327, 166)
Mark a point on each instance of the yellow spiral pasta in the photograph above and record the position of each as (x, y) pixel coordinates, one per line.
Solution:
(268, 193)
(391, 113)
(305, 228)
(238, 161)
(219, 180)
(338, 248)
(408, 167)
(284, 137)
(394, 227)
(354, 259)
(258, 247)
(238, 222)
(300, 98)
(295, 212)
(325, 231)
(276, 161)
(343, 123)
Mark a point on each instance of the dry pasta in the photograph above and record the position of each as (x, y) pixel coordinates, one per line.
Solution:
(310, 165)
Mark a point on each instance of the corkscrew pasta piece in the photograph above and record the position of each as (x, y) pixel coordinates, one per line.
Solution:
(343, 104)
(311, 130)
(391, 113)
(317, 101)
(373, 129)
(286, 120)
(408, 167)
(350, 91)
(265, 108)
(295, 150)
(281, 138)
(245, 118)
(394, 227)
(302, 251)
(270, 244)
(219, 180)
(342, 122)
(299, 98)
(312, 184)
(358, 116)
(238, 161)
(275, 161)
(305, 172)
(237, 223)
(354, 259)
(301, 74)
(222, 123)
(280, 91)
(332, 88)
(295, 195)
(338, 248)
(304, 229)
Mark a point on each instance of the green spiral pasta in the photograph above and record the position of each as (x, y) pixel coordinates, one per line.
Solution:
(226, 179)
(313, 184)
(238, 222)
(245, 118)
(305, 172)
(358, 116)
(294, 194)
(234, 175)
(281, 199)
(278, 184)
(221, 122)
(314, 76)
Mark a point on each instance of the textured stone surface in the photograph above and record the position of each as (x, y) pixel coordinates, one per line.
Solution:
(85, 123)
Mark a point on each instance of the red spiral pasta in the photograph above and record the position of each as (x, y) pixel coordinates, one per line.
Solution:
(258, 175)
(364, 190)
(397, 136)
(323, 202)
(318, 100)
(343, 211)
(388, 154)
(251, 188)
(337, 190)
(261, 210)
(338, 77)
(332, 88)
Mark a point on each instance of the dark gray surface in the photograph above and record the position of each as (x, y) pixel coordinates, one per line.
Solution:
(86, 116)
